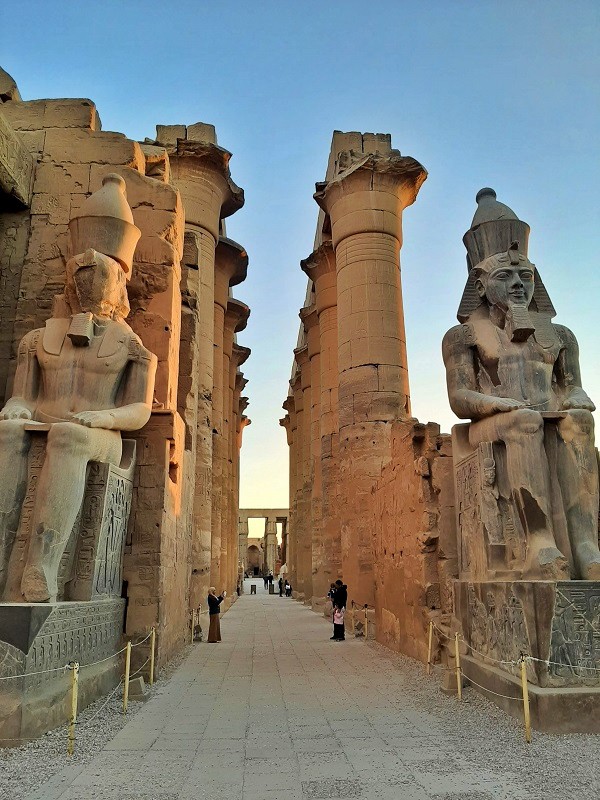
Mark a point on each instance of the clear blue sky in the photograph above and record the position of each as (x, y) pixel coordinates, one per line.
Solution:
(502, 94)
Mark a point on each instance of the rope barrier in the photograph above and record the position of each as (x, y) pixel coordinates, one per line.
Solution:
(505, 696)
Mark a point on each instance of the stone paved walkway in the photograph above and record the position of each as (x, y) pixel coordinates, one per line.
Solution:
(278, 712)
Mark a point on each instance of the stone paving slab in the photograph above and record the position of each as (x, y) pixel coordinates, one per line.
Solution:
(278, 712)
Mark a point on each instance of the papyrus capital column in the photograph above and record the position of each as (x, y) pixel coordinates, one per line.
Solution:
(364, 204)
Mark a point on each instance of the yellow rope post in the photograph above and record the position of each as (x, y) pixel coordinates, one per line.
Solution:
(152, 650)
(192, 636)
(74, 691)
(429, 645)
(525, 700)
(366, 623)
(127, 669)
(458, 675)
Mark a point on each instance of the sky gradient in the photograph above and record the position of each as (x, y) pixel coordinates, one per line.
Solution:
(502, 94)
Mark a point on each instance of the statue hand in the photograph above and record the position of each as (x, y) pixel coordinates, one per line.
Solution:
(578, 399)
(15, 412)
(498, 405)
(94, 419)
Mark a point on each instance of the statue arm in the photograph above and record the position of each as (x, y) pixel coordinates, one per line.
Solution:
(567, 372)
(465, 400)
(25, 390)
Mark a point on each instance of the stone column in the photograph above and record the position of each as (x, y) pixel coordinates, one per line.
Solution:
(299, 511)
(243, 541)
(239, 356)
(304, 558)
(200, 170)
(231, 265)
(236, 317)
(320, 585)
(271, 544)
(365, 204)
(320, 268)
(289, 423)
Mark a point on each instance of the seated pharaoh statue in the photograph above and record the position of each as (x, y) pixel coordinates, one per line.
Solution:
(532, 495)
(84, 378)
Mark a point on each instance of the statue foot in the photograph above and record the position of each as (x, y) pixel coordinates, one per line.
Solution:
(550, 564)
(588, 558)
(34, 585)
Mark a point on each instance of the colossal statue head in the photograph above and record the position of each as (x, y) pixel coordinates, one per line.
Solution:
(500, 272)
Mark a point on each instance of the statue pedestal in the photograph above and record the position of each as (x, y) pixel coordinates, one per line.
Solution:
(555, 622)
(35, 637)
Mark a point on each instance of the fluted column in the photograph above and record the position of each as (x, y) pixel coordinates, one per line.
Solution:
(231, 264)
(236, 318)
(321, 269)
(365, 204)
(243, 541)
(200, 170)
(320, 586)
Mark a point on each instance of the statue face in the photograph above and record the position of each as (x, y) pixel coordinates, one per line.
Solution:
(507, 285)
(96, 283)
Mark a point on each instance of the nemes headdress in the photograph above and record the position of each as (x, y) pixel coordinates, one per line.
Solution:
(496, 235)
(106, 224)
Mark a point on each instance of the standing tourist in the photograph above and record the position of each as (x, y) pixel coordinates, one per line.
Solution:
(214, 602)
(266, 580)
(280, 584)
(339, 600)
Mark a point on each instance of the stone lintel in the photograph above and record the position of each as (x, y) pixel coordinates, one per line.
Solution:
(236, 315)
(16, 168)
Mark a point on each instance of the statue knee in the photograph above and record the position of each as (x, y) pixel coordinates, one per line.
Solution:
(12, 435)
(525, 422)
(578, 422)
(68, 438)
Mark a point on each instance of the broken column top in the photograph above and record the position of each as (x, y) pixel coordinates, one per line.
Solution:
(197, 132)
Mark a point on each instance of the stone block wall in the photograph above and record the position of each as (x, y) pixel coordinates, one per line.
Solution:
(413, 537)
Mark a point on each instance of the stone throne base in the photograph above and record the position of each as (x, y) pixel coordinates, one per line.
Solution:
(557, 623)
(35, 637)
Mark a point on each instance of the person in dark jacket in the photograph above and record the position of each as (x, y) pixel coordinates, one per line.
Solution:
(214, 603)
(280, 584)
(339, 600)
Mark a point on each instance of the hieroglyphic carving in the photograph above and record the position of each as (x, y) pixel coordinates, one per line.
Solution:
(16, 164)
(575, 644)
(469, 518)
(92, 562)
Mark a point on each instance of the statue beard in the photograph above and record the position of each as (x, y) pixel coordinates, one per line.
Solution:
(518, 323)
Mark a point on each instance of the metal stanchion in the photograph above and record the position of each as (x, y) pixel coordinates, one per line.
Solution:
(525, 689)
(152, 650)
(429, 647)
(127, 670)
(74, 666)
(458, 675)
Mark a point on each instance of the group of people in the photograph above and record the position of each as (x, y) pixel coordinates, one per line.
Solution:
(338, 594)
